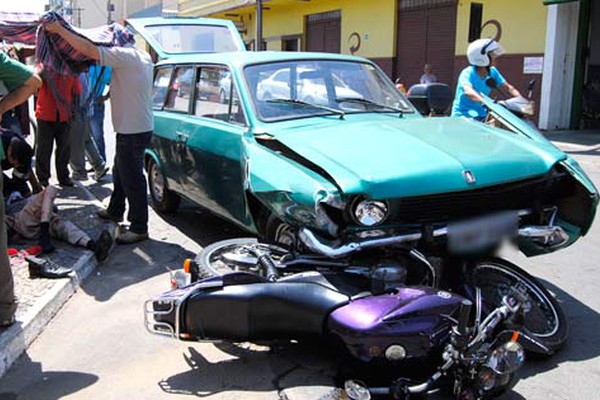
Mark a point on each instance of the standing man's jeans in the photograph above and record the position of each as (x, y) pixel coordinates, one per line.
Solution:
(8, 305)
(48, 132)
(97, 128)
(129, 180)
(82, 145)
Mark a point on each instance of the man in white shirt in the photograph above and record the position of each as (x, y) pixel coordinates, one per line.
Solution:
(131, 105)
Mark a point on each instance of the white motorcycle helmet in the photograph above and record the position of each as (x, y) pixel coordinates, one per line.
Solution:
(480, 52)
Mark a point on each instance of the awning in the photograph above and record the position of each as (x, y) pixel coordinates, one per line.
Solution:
(549, 2)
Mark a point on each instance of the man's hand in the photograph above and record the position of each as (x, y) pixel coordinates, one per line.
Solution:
(53, 27)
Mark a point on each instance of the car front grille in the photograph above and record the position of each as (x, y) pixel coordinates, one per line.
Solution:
(527, 194)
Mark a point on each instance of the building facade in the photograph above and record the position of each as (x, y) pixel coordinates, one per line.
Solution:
(549, 41)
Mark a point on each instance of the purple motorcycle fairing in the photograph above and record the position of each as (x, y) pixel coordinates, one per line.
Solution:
(415, 318)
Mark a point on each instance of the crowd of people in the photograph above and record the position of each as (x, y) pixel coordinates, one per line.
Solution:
(69, 110)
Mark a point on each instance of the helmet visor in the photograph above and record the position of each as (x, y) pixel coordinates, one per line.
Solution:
(497, 51)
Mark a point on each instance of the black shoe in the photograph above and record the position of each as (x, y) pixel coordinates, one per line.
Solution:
(103, 245)
(66, 183)
(40, 268)
(6, 322)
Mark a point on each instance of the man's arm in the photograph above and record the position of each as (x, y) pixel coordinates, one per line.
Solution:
(20, 94)
(511, 89)
(80, 44)
(472, 94)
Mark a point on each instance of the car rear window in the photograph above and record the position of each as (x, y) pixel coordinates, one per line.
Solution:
(176, 39)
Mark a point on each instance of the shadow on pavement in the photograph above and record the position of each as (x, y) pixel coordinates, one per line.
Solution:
(37, 384)
(580, 138)
(583, 343)
(205, 378)
(201, 225)
(134, 263)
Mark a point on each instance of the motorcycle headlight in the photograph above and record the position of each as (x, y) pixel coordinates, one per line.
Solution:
(506, 358)
(370, 212)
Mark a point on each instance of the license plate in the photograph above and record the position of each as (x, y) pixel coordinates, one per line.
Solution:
(483, 232)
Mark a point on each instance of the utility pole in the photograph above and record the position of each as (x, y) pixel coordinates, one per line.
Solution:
(259, 12)
(110, 7)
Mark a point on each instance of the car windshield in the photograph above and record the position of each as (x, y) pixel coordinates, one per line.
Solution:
(282, 90)
(193, 38)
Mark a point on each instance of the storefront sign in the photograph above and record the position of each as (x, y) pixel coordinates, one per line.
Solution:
(533, 65)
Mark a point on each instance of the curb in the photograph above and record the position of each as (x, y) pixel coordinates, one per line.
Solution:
(15, 340)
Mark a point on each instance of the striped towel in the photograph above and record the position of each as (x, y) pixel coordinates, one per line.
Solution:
(18, 27)
(52, 51)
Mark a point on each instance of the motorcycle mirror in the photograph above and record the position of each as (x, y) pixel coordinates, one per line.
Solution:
(507, 358)
(531, 85)
(356, 390)
(491, 82)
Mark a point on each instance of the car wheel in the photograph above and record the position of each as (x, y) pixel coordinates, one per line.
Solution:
(222, 96)
(280, 232)
(163, 199)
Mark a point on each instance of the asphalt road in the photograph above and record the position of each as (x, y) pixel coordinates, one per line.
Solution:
(97, 347)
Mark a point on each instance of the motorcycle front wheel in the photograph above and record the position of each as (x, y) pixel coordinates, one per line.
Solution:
(543, 319)
(236, 255)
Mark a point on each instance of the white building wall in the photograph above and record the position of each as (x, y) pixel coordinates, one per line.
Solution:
(559, 66)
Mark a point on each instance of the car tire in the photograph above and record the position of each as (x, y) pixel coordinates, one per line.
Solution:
(163, 199)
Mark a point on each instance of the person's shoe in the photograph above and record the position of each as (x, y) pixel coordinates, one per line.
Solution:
(98, 175)
(39, 268)
(104, 214)
(79, 176)
(129, 237)
(103, 245)
(6, 322)
(66, 183)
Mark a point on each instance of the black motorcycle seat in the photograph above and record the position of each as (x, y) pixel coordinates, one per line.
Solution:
(257, 311)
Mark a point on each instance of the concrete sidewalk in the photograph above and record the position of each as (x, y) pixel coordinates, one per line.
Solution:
(40, 299)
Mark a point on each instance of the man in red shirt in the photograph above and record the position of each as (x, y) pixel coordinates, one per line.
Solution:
(53, 113)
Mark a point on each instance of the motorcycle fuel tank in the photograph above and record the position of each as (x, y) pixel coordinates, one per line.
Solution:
(402, 325)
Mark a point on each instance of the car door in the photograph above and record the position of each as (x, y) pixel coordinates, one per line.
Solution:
(171, 102)
(213, 161)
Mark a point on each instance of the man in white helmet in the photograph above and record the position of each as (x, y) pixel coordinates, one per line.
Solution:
(468, 101)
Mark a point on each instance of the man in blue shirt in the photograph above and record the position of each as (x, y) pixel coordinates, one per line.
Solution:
(472, 81)
(99, 79)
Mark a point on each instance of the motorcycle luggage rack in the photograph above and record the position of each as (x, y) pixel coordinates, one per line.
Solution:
(171, 304)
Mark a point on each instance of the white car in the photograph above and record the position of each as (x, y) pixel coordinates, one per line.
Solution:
(312, 86)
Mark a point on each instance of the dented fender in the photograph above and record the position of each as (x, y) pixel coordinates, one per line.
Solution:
(294, 193)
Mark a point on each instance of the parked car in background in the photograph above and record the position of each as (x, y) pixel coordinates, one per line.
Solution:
(311, 85)
(350, 162)
(225, 87)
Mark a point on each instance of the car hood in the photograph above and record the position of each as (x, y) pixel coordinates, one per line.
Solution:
(386, 156)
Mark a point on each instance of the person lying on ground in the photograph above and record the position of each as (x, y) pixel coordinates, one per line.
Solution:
(37, 220)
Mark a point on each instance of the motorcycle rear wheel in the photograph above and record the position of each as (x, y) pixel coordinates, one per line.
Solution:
(544, 321)
(233, 255)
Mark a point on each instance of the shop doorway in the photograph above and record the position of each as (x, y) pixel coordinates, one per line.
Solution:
(426, 35)
(323, 32)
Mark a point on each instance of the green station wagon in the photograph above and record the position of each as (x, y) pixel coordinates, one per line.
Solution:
(325, 144)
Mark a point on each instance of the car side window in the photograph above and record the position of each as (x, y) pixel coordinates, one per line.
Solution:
(217, 97)
(160, 86)
(178, 96)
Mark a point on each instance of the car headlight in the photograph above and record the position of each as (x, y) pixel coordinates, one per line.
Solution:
(370, 212)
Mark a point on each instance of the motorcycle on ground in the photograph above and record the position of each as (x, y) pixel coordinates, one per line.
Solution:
(465, 336)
